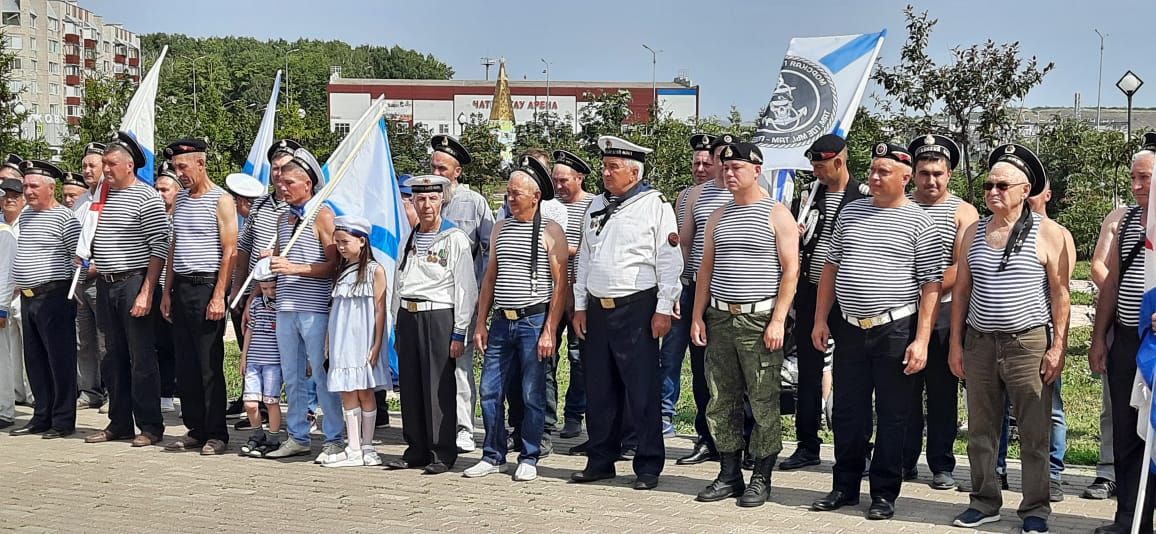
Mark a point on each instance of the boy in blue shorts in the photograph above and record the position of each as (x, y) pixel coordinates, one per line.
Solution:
(261, 364)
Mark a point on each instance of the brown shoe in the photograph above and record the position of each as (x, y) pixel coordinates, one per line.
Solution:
(144, 439)
(213, 447)
(184, 443)
(105, 435)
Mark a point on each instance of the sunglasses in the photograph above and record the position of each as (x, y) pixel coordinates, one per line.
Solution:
(1003, 186)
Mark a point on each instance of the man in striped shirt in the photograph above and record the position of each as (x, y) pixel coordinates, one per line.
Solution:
(90, 338)
(528, 248)
(884, 270)
(200, 264)
(42, 270)
(1118, 315)
(12, 205)
(750, 266)
(129, 249)
(935, 158)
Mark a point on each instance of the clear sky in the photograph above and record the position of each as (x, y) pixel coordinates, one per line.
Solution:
(732, 49)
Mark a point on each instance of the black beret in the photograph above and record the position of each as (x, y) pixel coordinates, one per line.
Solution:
(1023, 159)
(1149, 142)
(12, 161)
(935, 144)
(539, 174)
(72, 178)
(43, 168)
(451, 146)
(13, 185)
(892, 151)
(570, 159)
(284, 146)
(166, 169)
(126, 141)
(94, 148)
(722, 140)
(701, 141)
(748, 152)
(826, 147)
(189, 145)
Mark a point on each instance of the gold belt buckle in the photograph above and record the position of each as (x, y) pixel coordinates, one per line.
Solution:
(511, 315)
(411, 306)
(27, 293)
(864, 323)
(607, 304)
(735, 309)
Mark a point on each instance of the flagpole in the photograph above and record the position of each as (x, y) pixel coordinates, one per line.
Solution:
(1145, 472)
(317, 204)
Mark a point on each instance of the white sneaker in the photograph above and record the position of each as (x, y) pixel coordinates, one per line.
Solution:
(465, 441)
(167, 405)
(332, 452)
(482, 469)
(526, 472)
(347, 458)
(288, 448)
(371, 457)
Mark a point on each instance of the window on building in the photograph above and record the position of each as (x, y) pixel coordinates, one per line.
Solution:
(443, 128)
(73, 111)
(341, 128)
(53, 47)
(15, 63)
(54, 25)
(13, 42)
(34, 87)
(10, 18)
(53, 88)
(32, 44)
(32, 20)
(54, 109)
(15, 86)
(53, 67)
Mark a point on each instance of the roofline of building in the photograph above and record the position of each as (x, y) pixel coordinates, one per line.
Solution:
(513, 83)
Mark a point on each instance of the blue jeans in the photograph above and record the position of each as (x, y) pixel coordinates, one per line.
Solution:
(512, 354)
(301, 339)
(672, 352)
(1059, 441)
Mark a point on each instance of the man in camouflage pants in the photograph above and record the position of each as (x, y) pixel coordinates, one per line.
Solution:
(746, 299)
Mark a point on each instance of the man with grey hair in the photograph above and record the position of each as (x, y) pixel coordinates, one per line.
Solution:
(12, 385)
(42, 271)
(90, 339)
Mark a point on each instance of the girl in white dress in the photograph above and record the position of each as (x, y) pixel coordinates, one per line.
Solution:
(356, 328)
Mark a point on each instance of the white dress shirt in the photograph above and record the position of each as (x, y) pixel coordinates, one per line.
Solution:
(632, 253)
(452, 283)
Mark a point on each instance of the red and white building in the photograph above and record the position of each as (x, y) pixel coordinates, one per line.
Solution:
(445, 105)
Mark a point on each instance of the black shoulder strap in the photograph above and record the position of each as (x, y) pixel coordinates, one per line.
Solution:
(534, 251)
(1019, 234)
(1134, 252)
(409, 246)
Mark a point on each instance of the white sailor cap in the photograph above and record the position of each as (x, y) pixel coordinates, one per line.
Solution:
(353, 225)
(244, 186)
(428, 183)
(263, 270)
(616, 147)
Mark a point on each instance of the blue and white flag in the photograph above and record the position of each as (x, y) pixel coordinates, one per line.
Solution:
(368, 188)
(257, 164)
(1145, 382)
(140, 118)
(819, 88)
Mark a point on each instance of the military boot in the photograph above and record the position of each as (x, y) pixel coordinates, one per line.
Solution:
(729, 482)
(760, 487)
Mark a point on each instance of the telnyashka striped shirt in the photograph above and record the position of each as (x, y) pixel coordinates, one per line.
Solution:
(46, 247)
(943, 214)
(575, 216)
(712, 197)
(133, 227)
(1012, 300)
(263, 327)
(885, 256)
(819, 255)
(422, 241)
(198, 236)
(746, 257)
(302, 293)
(513, 287)
(1131, 289)
(261, 227)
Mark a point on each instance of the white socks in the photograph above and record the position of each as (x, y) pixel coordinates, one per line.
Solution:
(368, 422)
(353, 427)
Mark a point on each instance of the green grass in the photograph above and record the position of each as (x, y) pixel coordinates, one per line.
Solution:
(1083, 270)
(1081, 298)
(1081, 393)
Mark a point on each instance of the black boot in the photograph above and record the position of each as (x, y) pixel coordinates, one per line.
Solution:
(729, 482)
(760, 487)
(748, 461)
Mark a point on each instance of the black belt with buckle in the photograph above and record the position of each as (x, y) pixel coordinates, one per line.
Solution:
(111, 278)
(611, 303)
(44, 289)
(513, 314)
(197, 279)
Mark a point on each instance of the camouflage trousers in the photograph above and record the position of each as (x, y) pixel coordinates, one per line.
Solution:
(737, 364)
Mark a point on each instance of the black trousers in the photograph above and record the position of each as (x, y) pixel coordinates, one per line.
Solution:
(1127, 446)
(809, 401)
(622, 379)
(129, 366)
(49, 323)
(870, 362)
(942, 389)
(200, 355)
(428, 389)
(163, 339)
(698, 385)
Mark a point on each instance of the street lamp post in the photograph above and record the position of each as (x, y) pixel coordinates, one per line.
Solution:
(653, 70)
(287, 52)
(1100, 78)
(196, 114)
(1129, 83)
(488, 62)
(547, 73)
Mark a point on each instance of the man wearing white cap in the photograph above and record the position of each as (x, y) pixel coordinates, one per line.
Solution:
(245, 191)
(624, 294)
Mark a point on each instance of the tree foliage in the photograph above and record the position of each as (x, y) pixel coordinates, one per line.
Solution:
(12, 117)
